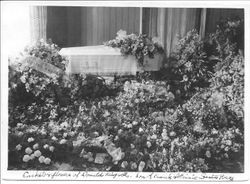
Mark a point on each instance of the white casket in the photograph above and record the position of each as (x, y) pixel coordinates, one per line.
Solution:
(104, 60)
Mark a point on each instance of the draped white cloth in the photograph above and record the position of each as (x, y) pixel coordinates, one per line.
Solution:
(104, 60)
(38, 23)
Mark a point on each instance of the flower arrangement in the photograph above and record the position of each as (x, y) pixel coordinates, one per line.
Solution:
(36, 82)
(141, 126)
(137, 45)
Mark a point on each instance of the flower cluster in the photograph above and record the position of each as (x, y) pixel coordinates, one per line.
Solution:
(138, 125)
(136, 45)
(33, 81)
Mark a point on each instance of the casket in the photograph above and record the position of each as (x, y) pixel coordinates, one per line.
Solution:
(106, 61)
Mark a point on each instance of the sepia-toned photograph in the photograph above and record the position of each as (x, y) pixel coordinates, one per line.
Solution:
(125, 89)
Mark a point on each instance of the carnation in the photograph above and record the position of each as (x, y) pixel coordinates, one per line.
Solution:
(26, 158)
(47, 161)
(37, 153)
(28, 150)
(41, 159)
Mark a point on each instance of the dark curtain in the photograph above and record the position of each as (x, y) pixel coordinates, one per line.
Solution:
(169, 24)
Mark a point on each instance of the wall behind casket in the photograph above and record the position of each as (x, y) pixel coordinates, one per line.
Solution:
(82, 26)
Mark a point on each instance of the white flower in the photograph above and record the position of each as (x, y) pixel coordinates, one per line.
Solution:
(26, 158)
(164, 136)
(35, 146)
(172, 134)
(137, 100)
(54, 138)
(226, 148)
(32, 156)
(141, 166)
(41, 159)
(132, 146)
(124, 164)
(149, 144)
(72, 133)
(37, 153)
(154, 136)
(46, 146)
(130, 125)
(133, 166)
(23, 79)
(47, 161)
(20, 134)
(229, 142)
(214, 131)
(208, 154)
(65, 134)
(121, 34)
(140, 130)
(135, 123)
(119, 131)
(43, 132)
(28, 150)
(116, 138)
(64, 125)
(63, 141)
(18, 147)
(51, 148)
(19, 125)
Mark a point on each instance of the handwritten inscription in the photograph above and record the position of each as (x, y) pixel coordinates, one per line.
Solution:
(83, 175)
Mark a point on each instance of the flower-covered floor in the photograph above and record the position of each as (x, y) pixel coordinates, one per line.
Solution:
(188, 117)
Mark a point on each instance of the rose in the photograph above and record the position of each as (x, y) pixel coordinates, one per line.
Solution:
(28, 150)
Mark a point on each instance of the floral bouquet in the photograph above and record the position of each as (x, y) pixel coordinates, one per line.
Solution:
(35, 81)
(137, 45)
